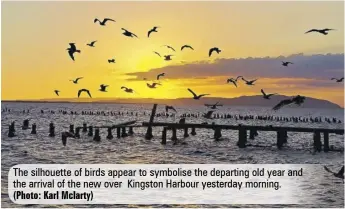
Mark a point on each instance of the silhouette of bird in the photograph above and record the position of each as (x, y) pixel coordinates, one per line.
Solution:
(186, 46)
(129, 34)
(286, 63)
(168, 57)
(84, 90)
(153, 85)
(57, 92)
(297, 100)
(208, 114)
(216, 49)
(154, 29)
(197, 97)
(338, 80)
(157, 54)
(76, 80)
(214, 106)
(73, 49)
(322, 31)
(103, 87)
(250, 83)
(128, 90)
(167, 108)
(159, 75)
(340, 173)
(232, 81)
(92, 44)
(170, 47)
(238, 77)
(104, 21)
(111, 60)
(266, 96)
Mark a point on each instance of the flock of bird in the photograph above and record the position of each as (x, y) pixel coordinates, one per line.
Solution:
(73, 49)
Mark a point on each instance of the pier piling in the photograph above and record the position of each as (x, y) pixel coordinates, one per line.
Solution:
(217, 133)
(130, 131)
(51, 129)
(193, 133)
(97, 137)
(185, 135)
(25, 124)
(90, 131)
(325, 141)
(164, 136)
(124, 134)
(148, 134)
(118, 132)
(84, 128)
(110, 135)
(71, 128)
(33, 129)
(242, 138)
(77, 132)
(317, 141)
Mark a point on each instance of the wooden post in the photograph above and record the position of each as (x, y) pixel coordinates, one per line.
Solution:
(77, 132)
(11, 130)
(110, 135)
(242, 138)
(280, 139)
(174, 135)
(130, 131)
(148, 134)
(97, 137)
(64, 139)
(164, 136)
(193, 133)
(71, 128)
(51, 130)
(217, 133)
(33, 129)
(285, 136)
(90, 131)
(118, 132)
(25, 124)
(326, 142)
(124, 134)
(84, 128)
(252, 134)
(317, 141)
(185, 135)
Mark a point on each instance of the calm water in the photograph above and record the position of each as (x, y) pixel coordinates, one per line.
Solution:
(135, 149)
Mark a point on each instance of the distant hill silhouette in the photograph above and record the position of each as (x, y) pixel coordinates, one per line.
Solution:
(256, 100)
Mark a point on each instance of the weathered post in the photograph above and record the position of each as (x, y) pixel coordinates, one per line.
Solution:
(217, 133)
(280, 139)
(11, 130)
(148, 134)
(252, 134)
(77, 132)
(84, 128)
(90, 131)
(97, 137)
(25, 124)
(130, 131)
(242, 137)
(326, 142)
(193, 133)
(110, 135)
(317, 141)
(174, 135)
(124, 134)
(164, 136)
(51, 129)
(185, 135)
(71, 128)
(285, 136)
(33, 129)
(118, 132)
(64, 138)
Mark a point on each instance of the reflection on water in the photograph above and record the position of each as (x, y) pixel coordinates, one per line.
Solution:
(27, 148)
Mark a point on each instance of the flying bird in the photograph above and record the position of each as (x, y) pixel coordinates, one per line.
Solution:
(186, 46)
(57, 92)
(170, 47)
(128, 90)
(340, 173)
(322, 31)
(208, 114)
(297, 100)
(154, 29)
(250, 83)
(197, 97)
(159, 75)
(84, 90)
(73, 49)
(92, 44)
(153, 85)
(157, 53)
(103, 87)
(266, 96)
(338, 80)
(214, 106)
(232, 81)
(129, 34)
(168, 57)
(104, 21)
(76, 80)
(111, 61)
(216, 49)
(167, 108)
(286, 63)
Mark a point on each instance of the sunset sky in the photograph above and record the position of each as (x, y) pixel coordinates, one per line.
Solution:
(254, 38)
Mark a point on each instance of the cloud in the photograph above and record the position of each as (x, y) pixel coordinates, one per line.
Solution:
(317, 66)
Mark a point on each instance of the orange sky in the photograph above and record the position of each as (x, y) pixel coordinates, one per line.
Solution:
(35, 36)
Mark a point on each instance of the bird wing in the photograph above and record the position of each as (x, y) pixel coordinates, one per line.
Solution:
(341, 79)
(184, 46)
(79, 92)
(172, 48)
(176, 111)
(210, 51)
(57, 93)
(88, 92)
(107, 19)
(70, 52)
(135, 35)
(157, 54)
(73, 47)
(282, 103)
(252, 81)
(262, 91)
(93, 42)
(123, 87)
(234, 82)
(96, 20)
(327, 169)
(333, 79)
(190, 90)
(312, 30)
(190, 47)
(201, 95)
